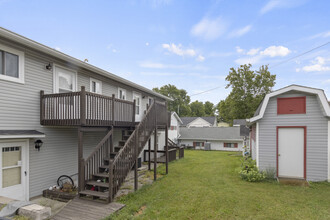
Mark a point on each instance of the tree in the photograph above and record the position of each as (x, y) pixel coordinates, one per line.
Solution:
(248, 89)
(209, 108)
(197, 109)
(181, 100)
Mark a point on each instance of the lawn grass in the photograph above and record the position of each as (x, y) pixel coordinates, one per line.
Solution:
(206, 185)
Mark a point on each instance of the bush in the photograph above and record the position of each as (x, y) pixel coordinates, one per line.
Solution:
(270, 173)
(250, 172)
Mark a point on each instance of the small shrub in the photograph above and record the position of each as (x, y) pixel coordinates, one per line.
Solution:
(250, 172)
(270, 173)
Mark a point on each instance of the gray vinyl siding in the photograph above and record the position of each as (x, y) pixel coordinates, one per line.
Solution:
(19, 110)
(317, 136)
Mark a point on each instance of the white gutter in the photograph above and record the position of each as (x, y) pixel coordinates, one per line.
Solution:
(47, 50)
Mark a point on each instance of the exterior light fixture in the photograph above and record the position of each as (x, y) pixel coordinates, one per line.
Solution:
(49, 67)
(37, 144)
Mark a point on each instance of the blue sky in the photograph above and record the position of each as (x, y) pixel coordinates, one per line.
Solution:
(191, 44)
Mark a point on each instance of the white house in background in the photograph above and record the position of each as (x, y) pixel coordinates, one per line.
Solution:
(290, 132)
(210, 121)
(220, 138)
(174, 129)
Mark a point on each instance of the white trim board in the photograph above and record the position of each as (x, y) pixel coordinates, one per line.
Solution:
(328, 151)
(22, 136)
(318, 92)
(257, 144)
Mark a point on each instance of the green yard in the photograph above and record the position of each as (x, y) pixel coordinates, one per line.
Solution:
(205, 185)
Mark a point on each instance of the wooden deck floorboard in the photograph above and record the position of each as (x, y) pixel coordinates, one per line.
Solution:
(84, 210)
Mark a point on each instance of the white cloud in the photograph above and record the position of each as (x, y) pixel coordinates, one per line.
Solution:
(247, 60)
(240, 32)
(114, 50)
(253, 51)
(200, 58)
(209, 29)
(277, 4)
(239, 50)
(321, 35)
(58, 48)
(255, 55)
(178, 50)
(319, 64)
(274, 51)
(147, 43)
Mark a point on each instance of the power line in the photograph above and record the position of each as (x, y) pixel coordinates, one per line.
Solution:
(206, 91)
(299, 55)
(280, 63)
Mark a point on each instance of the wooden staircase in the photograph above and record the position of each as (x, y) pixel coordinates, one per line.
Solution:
(105, 170)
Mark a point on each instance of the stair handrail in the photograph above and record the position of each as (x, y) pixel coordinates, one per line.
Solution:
(126, 157)
(93, 162)
(134, 132)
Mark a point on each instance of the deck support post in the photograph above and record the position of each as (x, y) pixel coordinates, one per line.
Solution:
(149, 154)
(166, 147)
(113, 110)
(81, 172)
(111, 141)
(136, 160)
(83, 106)
(155, 147)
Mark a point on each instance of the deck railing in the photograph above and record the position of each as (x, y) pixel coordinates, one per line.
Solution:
(85, 108)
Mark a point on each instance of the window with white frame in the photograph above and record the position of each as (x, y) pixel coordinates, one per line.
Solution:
(95, 86)
(230, 145)
(121, 93)
(65, 80)
(11, 64)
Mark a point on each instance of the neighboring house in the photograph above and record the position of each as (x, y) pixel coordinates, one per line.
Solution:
(82, 114)
(290, 133)
(244, 131)
(174, 129)
(220, 138)
(210, 121)
(223, 124)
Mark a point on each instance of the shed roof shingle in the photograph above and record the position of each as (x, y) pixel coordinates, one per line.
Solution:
(187, 120)
(211, 133)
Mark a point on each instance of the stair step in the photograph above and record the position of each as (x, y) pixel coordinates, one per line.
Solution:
(95, 183)
(125, 137)
(104, 175)
(121, 143)
(110, 160)
(117, 148)
(95, 193)
(113, 154)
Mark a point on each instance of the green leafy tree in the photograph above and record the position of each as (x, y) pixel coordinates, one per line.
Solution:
(181, 100)
(249, 87)
(209, 108)
(197, 109)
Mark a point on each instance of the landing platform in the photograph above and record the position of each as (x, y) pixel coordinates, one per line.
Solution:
(85, 210)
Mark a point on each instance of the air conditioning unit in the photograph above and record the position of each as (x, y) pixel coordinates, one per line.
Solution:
(207, 146)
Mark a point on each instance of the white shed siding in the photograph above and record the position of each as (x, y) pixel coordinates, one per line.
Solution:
(19, 110)
(216, 145)
(317, 135)
(199, 122)
(173, 134)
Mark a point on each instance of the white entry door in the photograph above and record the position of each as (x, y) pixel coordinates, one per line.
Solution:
(13, 170)
(291, 144)
(138, 114)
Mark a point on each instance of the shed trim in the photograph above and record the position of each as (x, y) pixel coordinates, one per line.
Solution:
(318, 92)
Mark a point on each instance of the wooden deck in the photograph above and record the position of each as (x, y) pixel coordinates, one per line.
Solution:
(79, 209)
